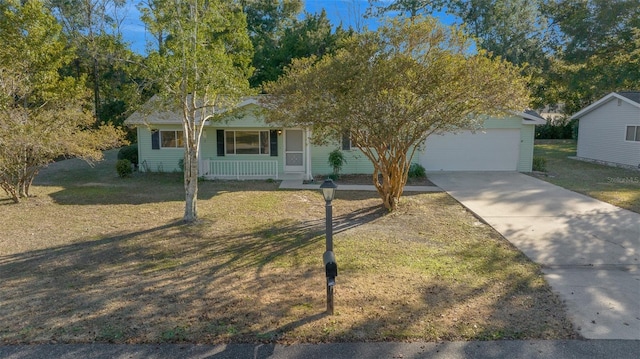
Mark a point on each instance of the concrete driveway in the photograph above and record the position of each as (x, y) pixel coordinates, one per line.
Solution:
(589, 250)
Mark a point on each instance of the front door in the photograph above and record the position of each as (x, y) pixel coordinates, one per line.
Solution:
(294, 151)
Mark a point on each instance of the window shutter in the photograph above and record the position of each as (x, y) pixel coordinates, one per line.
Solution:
(273, 143)
(346, 141)
(155, 140)
(220, 142)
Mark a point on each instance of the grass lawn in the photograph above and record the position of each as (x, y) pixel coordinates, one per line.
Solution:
(618, 186)
(97, 258)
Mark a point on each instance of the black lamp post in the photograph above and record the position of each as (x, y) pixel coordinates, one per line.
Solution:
(331, 267)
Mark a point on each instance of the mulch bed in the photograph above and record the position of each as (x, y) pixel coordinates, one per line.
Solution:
(364, 179)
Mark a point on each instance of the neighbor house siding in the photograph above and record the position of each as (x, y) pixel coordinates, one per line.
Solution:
(601, 133)
(160, 160)
(527, 135)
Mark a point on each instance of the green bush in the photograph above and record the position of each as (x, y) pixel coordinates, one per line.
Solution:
(129, 153)
(559, 130)
(336, 161)
(181, 165)
(124, 168)
(417, 171)
(539, 164)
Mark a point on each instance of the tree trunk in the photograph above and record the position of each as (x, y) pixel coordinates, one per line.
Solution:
(191, 184)
(394, 172)
(10, 190)
(96, 89)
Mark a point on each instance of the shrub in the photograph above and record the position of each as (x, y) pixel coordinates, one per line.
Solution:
(129, 153)
(124, 168)
(336, 161)
(417, 171)
(539, 164)
(557, 130)
(181, 165)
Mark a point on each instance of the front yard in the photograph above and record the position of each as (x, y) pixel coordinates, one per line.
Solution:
(618, 186)
(97, 258)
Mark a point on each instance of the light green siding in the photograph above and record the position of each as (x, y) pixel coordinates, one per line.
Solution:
(162, 160)
(525, 162)
(250, 118)
(209, 147)
(247, 117)
(508, 122)
(357, 163)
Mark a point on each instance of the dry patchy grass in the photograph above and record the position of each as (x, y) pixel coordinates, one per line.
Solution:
(98, 258)
(618, 186)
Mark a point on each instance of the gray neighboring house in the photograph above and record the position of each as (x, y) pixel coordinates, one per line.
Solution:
(609, 129)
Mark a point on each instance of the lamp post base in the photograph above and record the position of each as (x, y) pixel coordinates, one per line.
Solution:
(330, 298)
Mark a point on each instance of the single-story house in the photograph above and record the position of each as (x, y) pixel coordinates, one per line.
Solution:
(243, 146)
(609, 129)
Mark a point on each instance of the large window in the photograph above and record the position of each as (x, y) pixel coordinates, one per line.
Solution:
(247, 142)
(171, 139)
(633, 133)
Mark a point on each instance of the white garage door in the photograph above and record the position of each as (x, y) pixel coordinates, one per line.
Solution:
(491, 150)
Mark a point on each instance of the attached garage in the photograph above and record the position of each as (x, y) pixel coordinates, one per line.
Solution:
(502, 145)
(488, 150)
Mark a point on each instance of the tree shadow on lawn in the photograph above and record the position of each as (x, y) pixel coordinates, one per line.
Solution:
(168, 187)
(174, 282)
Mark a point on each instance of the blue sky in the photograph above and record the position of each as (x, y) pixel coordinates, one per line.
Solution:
(345, 12)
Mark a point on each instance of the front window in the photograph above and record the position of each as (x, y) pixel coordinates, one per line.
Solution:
(247, 142)
(172, 139)
(633, 133)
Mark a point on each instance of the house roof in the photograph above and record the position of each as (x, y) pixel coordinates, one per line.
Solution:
(630, 97)
(531, 117)
(152, 113)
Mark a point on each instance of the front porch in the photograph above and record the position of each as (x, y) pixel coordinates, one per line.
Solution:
(246, 170)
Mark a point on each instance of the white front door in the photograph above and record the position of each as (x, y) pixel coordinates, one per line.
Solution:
(294, 151)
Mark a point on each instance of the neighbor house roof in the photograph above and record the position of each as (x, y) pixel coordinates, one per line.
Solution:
(630, 97)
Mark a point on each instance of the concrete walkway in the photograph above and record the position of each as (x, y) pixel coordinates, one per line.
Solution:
(589, 250)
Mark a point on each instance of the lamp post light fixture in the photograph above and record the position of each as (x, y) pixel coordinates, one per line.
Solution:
(331, 267)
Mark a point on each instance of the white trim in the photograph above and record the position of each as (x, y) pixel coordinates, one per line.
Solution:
(637, 139)
(294, 169)
(528, 119)
(307, 144)
(601, 102)
(176, 137)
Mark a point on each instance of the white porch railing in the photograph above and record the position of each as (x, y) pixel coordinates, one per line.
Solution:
(239, 169)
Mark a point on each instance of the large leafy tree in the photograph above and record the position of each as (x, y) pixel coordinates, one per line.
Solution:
(516, 30)
(278, 36)
(202, 66)
(43, 115)
(93, 27)
(266, 23)
(393, 88)
(597, 44)
(406, 8)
